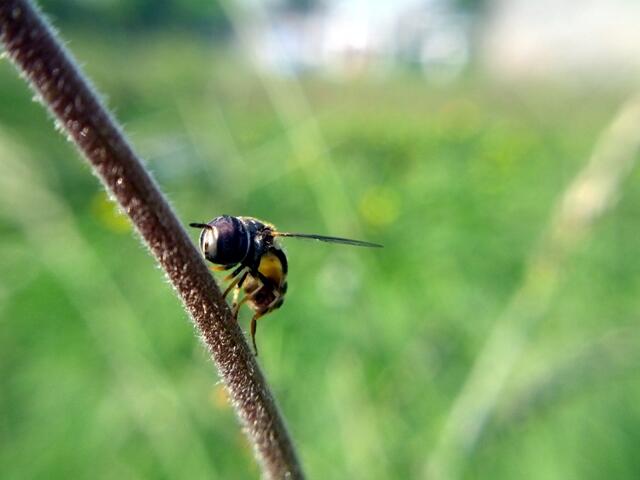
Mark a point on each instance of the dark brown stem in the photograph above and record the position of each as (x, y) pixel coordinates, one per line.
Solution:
(36, 52)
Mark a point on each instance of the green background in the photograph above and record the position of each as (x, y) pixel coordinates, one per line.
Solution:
(102, 376)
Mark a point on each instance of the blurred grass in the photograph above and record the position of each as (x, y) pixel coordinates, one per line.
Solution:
(101, 375)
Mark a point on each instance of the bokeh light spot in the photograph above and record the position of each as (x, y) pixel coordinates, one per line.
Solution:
(380, 206)
(108, 215)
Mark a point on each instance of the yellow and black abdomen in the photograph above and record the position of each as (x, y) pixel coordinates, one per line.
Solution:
(273, 267)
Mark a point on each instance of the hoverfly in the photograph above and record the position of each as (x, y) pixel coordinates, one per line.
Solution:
(260, 264)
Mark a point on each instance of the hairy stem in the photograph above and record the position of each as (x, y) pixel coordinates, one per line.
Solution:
(49, 69)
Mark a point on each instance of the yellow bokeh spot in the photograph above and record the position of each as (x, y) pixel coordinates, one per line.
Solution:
(219, 397)
(108, 214)
(379, 206)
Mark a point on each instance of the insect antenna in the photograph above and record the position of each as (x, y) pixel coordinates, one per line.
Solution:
(324, 238)
(200, 225)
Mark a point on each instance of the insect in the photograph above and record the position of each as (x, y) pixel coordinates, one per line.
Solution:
(250, 247)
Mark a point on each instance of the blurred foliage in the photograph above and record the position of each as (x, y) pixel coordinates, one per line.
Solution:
(471, 5)
(301, 5)
(206, 16)
(101, 375)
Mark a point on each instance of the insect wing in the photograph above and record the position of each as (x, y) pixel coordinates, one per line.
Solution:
(324, 238)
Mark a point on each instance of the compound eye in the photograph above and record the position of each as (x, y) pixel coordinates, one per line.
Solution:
(232, 240)
(209, 243)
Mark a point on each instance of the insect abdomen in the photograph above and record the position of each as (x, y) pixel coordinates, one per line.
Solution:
(272, 267)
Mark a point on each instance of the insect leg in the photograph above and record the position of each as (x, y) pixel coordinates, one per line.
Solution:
(242, 279)
(235, 306)
(235, 273)
(234, 282)
(277, 301)
(247, 297)
(274, 303)
(253, 332)
(265, 280)
(221, 268)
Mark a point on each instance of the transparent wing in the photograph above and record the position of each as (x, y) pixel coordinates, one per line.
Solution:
(323, 238)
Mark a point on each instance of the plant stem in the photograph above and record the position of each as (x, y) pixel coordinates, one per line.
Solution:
(34, 49)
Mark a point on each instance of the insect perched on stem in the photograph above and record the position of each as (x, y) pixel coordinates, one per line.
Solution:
(260, 264)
